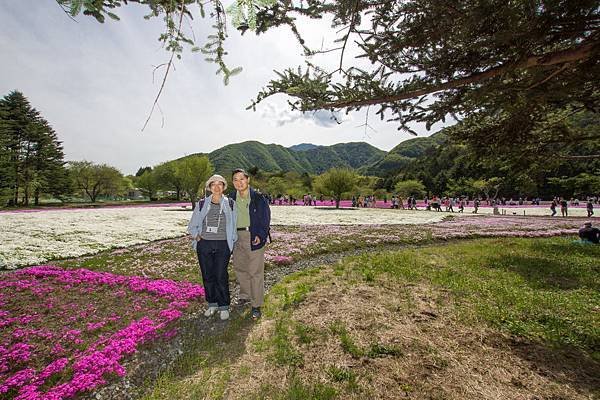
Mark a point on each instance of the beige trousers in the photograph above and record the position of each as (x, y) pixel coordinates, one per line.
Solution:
(249, 267)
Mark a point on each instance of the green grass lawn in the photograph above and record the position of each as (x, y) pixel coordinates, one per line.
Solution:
(467, 319)
(546, 289)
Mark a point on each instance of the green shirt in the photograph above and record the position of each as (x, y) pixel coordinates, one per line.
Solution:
(243, 210)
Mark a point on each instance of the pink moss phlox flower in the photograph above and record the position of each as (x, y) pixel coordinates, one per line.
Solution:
(282, 260)
(55, 366)
(72, 334)
(162, 287)
(19, 352)
(92, 326)
(17, 380)
(62, 209)
(170, 314)
(57, 349)
(170, 333)
(179, 304)
(90, 367)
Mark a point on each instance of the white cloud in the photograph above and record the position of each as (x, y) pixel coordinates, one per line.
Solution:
(280, 116)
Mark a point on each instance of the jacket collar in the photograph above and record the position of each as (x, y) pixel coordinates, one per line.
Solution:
(251, 192)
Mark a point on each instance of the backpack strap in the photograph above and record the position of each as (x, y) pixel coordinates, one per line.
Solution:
(230, 203)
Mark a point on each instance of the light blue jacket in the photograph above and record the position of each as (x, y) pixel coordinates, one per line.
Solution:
(199, 214)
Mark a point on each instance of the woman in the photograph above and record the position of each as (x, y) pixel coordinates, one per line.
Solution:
(213, 231)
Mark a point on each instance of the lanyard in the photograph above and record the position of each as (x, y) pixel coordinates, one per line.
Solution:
(218, 220)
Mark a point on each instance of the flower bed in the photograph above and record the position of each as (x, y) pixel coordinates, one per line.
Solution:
(34, 238)
(292, 243)
(174, 258)
(64, 332)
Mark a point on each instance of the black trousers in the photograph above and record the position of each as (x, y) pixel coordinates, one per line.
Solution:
(213, 257)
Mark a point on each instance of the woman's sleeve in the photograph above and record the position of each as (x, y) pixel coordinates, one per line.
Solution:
(194, 224)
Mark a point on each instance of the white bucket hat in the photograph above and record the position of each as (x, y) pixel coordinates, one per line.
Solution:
(216, 178)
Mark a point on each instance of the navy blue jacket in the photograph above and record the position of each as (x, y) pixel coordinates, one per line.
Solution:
(260, 218)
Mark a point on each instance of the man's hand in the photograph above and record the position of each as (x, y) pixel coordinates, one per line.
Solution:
(256, 241)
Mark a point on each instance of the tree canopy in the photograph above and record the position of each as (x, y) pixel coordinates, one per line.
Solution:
(410, 187)
(335, 182)
(511, 70)
(192, 172)
(96, 179)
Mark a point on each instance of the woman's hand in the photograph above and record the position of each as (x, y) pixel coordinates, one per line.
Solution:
(256, 241)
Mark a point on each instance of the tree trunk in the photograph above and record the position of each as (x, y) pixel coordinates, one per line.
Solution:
(337, 202)
(92, 195)
(16, 199)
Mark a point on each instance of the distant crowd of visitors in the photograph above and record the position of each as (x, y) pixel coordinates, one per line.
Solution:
(440, 203)
(564, 205)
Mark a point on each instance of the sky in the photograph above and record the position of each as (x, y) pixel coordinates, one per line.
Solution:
(94, 84)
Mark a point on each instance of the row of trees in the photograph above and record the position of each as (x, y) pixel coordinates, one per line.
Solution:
(32, 162)
(187, 176)
(32, 165)
(456, 168)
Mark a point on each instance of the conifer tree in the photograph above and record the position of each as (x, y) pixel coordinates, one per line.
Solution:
(31, 156)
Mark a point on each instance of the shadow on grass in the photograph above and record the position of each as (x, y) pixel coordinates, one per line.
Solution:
(565, 366)
(542, 273)
(550, 266)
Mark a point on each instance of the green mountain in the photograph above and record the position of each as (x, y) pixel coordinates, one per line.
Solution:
(275, 158)
(302, 146)
(403, 155)
(267, 157)
(353, 155)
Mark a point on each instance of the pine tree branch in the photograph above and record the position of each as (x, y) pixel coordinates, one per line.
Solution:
(66, 12)
(578, 53)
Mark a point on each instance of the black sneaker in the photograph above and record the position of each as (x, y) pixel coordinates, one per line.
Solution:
(256, 313)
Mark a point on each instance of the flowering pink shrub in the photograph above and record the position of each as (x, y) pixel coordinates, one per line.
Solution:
(64, 332)
(279, 260)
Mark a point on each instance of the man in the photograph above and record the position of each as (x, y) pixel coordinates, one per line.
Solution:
(590, 207)
(563, 207)
(253, 225)
(589, 234)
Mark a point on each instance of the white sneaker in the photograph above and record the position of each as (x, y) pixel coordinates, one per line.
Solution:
(210, 311)
(224, 315)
